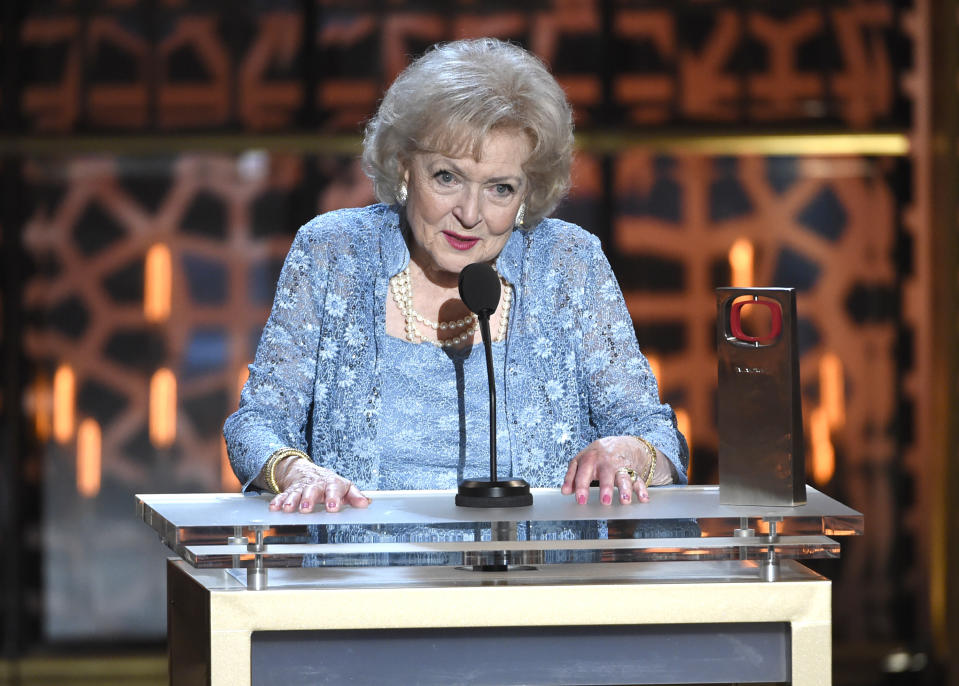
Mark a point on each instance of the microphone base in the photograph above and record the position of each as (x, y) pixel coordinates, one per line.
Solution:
(512, 493)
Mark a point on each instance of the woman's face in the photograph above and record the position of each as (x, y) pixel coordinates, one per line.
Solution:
(461, 210)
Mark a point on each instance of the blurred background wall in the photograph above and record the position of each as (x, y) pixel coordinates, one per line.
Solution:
(157, 156)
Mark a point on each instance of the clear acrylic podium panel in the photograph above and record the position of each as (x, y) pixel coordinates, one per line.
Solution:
(426, 528)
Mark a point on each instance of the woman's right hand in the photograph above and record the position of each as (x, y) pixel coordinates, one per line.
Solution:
(307, 486)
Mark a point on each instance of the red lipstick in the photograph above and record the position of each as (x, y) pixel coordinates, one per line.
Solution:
(458, 242)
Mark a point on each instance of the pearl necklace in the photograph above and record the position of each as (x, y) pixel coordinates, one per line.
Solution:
(402, 288)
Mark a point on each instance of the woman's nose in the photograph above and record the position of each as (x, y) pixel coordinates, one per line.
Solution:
(468, 208)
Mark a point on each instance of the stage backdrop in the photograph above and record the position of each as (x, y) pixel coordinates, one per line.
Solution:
(170, 150)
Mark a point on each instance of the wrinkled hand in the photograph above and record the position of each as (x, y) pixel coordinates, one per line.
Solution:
(599, 461)
(307, 486)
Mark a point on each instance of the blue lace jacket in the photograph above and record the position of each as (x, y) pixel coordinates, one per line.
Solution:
(573, 369)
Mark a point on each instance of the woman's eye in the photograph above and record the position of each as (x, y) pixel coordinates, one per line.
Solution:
(444, 177)
(503, 189)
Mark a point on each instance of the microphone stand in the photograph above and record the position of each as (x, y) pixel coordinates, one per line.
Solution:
(488, 347)
(492, 493)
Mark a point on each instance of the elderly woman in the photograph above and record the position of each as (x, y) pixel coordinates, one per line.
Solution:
(370, 373)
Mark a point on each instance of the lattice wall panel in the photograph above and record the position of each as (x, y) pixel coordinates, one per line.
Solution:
(227, 222)
(825, 226)
(169, 65)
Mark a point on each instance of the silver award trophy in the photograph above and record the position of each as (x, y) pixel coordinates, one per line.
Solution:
(761, 458)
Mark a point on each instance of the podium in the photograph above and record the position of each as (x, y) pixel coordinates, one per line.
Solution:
(488, 601)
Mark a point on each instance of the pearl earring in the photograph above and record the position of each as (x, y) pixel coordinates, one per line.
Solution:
(401, 194)
(520, 215)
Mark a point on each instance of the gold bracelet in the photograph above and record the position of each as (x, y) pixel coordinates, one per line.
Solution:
(273, 460)
(652, 463)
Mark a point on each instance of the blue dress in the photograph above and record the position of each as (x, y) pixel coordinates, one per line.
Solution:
(420, 385)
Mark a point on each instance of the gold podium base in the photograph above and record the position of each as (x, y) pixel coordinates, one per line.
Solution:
(213, 616)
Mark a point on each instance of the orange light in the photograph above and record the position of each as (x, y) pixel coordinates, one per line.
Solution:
(832, 389)
(89, 458)
(657, 368)
(42, 421)
(163, 408)
(64, 403)
(241, 377)
(228, 480)
(157, 284)
(741, 263)
(685, 426)
(823, 455)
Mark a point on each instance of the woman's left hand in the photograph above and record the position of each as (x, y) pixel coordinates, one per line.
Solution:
(606, 460)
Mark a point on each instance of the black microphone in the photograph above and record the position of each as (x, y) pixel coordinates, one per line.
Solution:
(480, 292)
(480, 289)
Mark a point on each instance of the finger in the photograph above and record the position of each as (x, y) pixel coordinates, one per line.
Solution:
(311, 495)
(277, 502)
(293, 496)
(357, 498)
(567, 487)
(642, 492)
(585, 473)
(336, 490)
(607, 476)
(625, 485)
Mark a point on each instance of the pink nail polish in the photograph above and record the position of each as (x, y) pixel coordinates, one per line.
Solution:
(607, 499)
(331, 505)
(581, 499)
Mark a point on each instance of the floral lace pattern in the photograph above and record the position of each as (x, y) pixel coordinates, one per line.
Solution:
(437, 427)
(572, 370)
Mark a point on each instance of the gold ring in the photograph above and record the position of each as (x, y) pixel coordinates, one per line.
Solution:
(631, 473)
